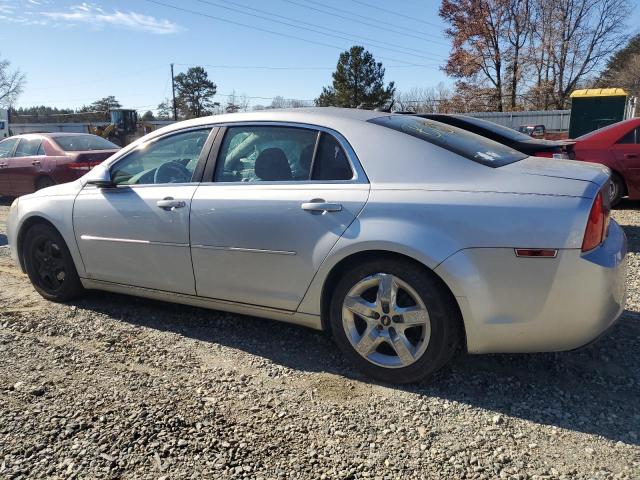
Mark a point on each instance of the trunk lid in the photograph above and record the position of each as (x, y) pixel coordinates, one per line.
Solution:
(559, 177)
(91, 156)
(570, 169)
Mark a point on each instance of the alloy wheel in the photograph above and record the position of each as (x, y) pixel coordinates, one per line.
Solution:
(386, 321)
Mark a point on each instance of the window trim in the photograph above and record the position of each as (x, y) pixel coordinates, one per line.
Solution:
(635, 130)
(359, 175)
(15, 145)
(198, 171)
(25, 139)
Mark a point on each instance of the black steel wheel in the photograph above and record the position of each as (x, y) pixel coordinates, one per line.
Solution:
(49, 264)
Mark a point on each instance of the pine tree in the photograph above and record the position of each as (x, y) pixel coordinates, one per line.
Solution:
(357, 81)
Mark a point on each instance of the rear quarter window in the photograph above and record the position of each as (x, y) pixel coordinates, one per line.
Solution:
(466, 144)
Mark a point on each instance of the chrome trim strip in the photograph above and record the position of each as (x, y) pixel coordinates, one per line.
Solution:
(131, 240)
(239, 249)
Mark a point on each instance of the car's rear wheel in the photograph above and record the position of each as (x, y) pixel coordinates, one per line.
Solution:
(616, 189)
(49, 264)
(394, 320)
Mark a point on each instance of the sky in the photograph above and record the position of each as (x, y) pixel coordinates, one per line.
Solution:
(74, 53)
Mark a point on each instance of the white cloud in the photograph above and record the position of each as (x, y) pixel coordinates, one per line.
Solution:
(98, 17)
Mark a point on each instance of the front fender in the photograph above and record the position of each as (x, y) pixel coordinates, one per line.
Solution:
(55, 208)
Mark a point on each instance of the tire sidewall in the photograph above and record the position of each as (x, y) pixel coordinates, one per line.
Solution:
(443, 341)
(71, 286)
(617, 181)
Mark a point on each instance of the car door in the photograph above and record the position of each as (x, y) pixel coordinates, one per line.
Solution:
(26, 165)
(137, 233)
(627, 154)
(278, 200)
(7, 147)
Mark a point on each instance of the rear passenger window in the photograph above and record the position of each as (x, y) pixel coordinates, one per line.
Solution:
(331, 162)
(633, 137)
(28, 147)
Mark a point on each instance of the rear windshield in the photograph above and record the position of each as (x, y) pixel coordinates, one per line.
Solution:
(78, 143)
(464, 143)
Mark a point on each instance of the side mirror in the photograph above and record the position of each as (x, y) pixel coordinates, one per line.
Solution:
(100, 177)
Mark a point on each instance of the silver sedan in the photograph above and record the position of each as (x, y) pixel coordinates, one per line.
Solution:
(406, 239)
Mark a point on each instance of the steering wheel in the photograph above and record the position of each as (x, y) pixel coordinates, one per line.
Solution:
(171, 172)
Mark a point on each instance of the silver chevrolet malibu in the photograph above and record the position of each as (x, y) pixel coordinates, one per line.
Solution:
(407, 239)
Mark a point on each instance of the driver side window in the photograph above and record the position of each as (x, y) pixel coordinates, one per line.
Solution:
(168, 160)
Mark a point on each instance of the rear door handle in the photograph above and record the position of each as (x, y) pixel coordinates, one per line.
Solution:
(3, 165)
(630, 156)
(169, 204)
(321, 206)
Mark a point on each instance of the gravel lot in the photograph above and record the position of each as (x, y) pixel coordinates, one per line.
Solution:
(118, 387)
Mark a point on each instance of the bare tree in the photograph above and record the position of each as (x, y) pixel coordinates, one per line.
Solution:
(563, 43)
(11, 83)
(519, 29)
(236, 103)
(587, 31)
(424, 100)
(281, 102)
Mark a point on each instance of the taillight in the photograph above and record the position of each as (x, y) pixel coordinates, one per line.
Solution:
(597, 224)
(552, 154)
(82, 166)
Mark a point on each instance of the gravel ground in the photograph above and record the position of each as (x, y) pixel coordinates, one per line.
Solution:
(117, 387)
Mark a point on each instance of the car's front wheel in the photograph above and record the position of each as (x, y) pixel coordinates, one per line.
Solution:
(49, 264)
(394, 320)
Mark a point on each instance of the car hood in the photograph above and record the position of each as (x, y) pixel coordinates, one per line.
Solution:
(569, 169)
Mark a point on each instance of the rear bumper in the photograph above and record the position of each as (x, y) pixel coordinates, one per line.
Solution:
(512, 304)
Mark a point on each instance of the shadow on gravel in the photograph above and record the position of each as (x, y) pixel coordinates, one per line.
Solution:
(3, 239)
(626, 204)
(5, 201)
(593, 390)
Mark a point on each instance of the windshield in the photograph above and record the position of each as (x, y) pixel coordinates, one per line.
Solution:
(507, 132)
(469, 145)
(78, 143)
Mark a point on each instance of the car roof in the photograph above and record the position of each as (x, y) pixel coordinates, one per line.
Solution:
(312, 115)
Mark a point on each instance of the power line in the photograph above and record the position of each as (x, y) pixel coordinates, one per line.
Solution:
(341, 34)
(402, 30)
(285, 68)
(253, 27)
(395, 13)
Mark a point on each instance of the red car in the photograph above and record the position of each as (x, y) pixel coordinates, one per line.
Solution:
(33, 161)
(618, 147)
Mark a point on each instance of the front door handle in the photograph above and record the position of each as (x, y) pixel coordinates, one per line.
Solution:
(318, 205)
(169, 204)
(3, 165)
(630, 156)
(35, 162)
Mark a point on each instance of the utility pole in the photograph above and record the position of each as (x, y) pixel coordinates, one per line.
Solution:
(173, 90)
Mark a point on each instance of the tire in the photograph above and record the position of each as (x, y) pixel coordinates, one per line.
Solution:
(618, 189)
(44, 183)
(49, 264)
(432, 342)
